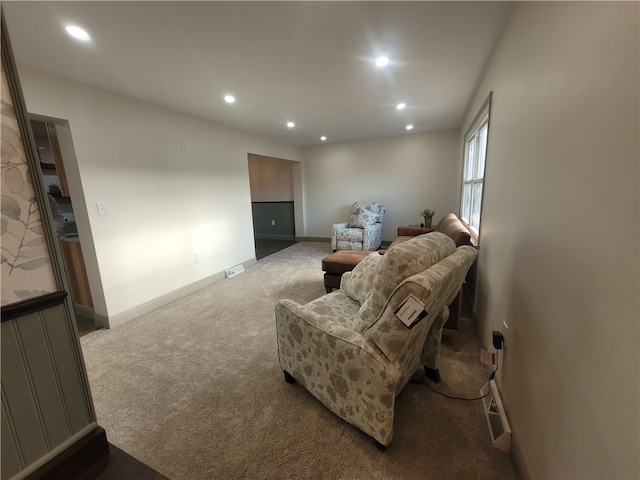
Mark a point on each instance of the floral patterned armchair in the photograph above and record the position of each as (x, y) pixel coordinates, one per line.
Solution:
(363, 231)
(350, 350)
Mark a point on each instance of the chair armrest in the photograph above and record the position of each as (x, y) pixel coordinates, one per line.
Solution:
(339, 367)
(372, 237)
(339, 226)
(335, 228)
(290, 312)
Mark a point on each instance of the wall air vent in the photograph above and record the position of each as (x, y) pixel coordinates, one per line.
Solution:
(233, 271)
(496, 417)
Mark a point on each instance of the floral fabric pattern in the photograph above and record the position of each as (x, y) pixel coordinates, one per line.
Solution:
(336, 364)
(399, 263)
(358, 282)
(362, 219)
(363, 231)
(436, 287)
(357, 375)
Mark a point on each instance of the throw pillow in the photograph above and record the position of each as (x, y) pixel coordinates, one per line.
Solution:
(357, 283)
(362, 219)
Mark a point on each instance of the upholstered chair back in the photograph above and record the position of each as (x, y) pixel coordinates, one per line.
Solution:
(426, 267)
(436, 287)
(365, 213)
(397, 264)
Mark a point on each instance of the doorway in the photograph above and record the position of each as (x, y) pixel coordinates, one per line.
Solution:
(272, 203)
(53, 143)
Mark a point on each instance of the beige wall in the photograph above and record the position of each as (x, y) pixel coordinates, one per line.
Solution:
(406, 174)
(164, 203)
(270, 179)
(559, 239)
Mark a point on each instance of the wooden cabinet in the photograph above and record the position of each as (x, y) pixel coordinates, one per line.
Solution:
(50, 153)
(76, 274)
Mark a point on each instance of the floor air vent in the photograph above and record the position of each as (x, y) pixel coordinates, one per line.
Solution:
(233, 271)
(496, 417)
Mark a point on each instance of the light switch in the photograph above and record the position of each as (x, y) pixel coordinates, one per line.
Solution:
(102, 208)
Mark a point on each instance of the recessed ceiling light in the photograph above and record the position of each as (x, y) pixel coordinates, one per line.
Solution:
(229, 98)
(382, 61)
(291, 124)
(78, 33)
(401, 106)
(409, 127)
(323, 138)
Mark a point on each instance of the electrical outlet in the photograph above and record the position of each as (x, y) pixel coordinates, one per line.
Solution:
(102, 208)
(273, 222)
(198, 257)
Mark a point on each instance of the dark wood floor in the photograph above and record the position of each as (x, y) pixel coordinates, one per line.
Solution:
(92, 457)
(86, 325)
(267, 247)
(119, 465)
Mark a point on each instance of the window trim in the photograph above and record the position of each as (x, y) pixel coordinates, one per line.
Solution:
(484, 112)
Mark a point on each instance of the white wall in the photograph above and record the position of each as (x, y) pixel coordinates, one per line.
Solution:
(164, 204)
(559, 238)
(406, 174)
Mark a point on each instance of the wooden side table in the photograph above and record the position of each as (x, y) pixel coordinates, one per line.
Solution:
(451, 328)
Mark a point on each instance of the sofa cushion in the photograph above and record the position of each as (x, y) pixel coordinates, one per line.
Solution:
(398, 263)
(451, 225)
(358, 283)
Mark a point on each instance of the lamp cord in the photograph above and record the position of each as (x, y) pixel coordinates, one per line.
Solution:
(491, 377)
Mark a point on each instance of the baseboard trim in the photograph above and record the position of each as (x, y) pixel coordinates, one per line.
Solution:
(269, 236)
(70, 458)
(517, 460)
(123, 317)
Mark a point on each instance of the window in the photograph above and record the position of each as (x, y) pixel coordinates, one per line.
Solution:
(475, 155)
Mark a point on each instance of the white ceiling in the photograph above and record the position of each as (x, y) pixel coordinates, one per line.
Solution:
(309, 62)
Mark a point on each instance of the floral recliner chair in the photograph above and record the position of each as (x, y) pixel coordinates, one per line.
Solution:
(350, 350)
(363, 230)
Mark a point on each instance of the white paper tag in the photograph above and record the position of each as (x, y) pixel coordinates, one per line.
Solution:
(411, 311)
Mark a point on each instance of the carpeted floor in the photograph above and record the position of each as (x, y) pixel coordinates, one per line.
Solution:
(195, 391)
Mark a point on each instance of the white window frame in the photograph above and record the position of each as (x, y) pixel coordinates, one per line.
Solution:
(476, 142)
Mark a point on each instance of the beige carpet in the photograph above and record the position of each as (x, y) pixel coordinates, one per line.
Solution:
(195, 391)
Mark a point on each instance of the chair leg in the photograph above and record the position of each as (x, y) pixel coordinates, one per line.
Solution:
(288, 378)
(432, 374)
